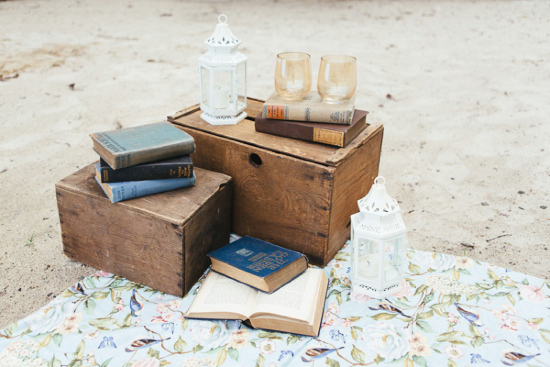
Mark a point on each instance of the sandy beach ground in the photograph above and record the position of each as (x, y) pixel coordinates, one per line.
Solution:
(462, 87)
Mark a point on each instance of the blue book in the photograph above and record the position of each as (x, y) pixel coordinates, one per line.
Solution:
(141, 144)
(257, 263)
(119, 191)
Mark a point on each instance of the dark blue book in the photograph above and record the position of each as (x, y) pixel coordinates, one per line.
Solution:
(257, 263)
(179, 167)
(119, 191)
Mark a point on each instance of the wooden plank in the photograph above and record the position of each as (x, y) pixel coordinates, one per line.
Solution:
(206, 231)
(352, 181)
(277, 198)
(125, 242)
(254, 107)
(245, 132)
(175, 206)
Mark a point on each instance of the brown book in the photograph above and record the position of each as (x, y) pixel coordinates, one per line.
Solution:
(331, 134)
(296, 308)
(310, 108)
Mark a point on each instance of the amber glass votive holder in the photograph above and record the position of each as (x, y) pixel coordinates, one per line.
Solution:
(337, 80)
(293, 75)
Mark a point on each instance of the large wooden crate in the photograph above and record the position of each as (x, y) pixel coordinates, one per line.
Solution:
(296, 194)
(159, 240)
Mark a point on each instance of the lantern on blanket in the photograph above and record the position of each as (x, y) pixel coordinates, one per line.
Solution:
(222, 72)
(378, 241)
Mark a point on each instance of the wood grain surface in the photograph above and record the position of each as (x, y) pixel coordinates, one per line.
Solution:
(295, 194)
(156, 240)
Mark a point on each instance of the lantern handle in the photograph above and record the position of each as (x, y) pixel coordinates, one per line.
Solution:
(380, 180)
(222, 19)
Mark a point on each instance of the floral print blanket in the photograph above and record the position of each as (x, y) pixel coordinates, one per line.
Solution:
(451, 311)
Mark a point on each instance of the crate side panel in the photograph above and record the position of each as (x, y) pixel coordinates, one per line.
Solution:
(276, 198)
(206, 231)
(131, 244)
(353, 180)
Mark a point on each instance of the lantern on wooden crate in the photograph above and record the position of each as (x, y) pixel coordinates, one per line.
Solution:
(222, 73)
(378, 241)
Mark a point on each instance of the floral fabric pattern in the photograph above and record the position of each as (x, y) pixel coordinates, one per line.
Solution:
(450, 311)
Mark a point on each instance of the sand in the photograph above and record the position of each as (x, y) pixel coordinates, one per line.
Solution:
(462, 88)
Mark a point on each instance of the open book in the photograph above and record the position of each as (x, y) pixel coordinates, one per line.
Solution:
(297, 307)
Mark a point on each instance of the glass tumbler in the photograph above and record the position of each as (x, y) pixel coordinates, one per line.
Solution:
(293, 75)
(337, 78)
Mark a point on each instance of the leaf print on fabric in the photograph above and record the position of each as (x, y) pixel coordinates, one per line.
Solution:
(420, 324)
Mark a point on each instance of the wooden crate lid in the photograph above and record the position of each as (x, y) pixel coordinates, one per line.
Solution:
(245, 132)
(175, 206)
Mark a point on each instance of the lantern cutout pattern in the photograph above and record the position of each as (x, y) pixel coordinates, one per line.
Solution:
(378, 240)
(222, 72)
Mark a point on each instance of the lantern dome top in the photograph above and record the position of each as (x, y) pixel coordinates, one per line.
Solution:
(222, 36)
(378, 201)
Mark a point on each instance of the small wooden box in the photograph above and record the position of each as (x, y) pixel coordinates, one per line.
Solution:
(158, 240)
(293, 193)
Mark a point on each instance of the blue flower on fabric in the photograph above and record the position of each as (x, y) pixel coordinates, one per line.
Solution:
(168, 326)
(107, 343)
(528, 342)
(337, 336)
(476, 358)
(285, 353)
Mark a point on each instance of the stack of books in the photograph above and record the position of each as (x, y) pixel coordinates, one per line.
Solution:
(310, 119)
(143, 160)
(267, 286)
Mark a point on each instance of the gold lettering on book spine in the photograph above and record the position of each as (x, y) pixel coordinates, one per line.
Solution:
(328, 137)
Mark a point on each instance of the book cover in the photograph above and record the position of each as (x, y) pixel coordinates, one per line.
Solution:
(120, 191)
(297, 307)
(331, 134)
(257, 263)
(311, 108)
(179, 167)
(147, 143)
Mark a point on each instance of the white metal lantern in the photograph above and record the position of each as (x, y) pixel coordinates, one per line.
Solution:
(378, 240)
(222, 73)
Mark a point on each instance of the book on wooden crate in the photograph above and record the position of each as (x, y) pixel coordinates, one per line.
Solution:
(310, 108)
(120, 191)
(331, 134)
(257, 263)
(296, 307)
(147, 143)
(179, 167)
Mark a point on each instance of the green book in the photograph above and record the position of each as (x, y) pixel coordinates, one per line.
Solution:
(147, 143)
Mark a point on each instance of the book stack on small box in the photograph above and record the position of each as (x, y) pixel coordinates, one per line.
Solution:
(311, 119)
(268, 286)
(143, 160)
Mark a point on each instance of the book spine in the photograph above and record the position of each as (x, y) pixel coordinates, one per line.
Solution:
(124, 160)
(327, 114)
(147, 172)
(302, 132)
(134, 189)
(329, 137)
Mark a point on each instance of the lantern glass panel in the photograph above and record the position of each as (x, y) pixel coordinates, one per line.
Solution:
(367, 258)
(392, 261)
(205, 88)
(222, 93)
(241, 86)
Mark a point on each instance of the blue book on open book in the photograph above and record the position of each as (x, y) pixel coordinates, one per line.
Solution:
(119, 191)
(260, 264)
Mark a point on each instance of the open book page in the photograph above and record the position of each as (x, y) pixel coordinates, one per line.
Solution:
(295, 300)
(222, 296)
